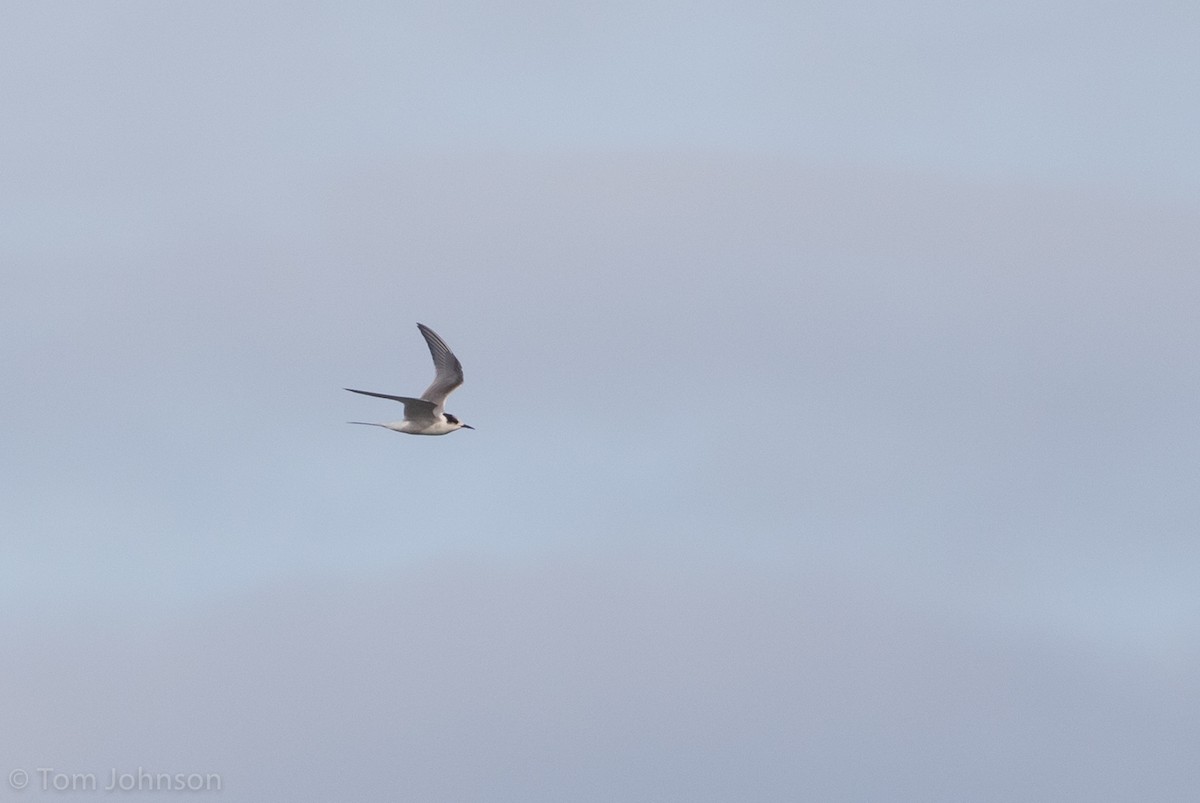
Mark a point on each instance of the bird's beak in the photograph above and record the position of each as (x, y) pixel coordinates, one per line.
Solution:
(467, 426)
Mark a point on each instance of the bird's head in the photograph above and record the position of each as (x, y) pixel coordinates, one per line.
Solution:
(456, 423)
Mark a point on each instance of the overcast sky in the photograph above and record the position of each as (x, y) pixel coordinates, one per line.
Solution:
(833, 367)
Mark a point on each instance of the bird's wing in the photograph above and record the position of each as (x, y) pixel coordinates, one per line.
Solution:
(449, 370)
(414, 409)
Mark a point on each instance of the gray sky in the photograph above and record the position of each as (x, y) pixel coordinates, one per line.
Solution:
(834, 372)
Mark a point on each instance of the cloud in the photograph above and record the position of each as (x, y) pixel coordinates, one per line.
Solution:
(619, 677)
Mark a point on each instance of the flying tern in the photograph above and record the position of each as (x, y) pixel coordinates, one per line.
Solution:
(425, 416)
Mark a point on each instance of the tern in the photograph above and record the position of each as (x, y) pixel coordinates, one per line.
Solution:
(425, 416)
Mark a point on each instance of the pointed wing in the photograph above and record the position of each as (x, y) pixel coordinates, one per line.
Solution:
(449, 370)
(414, 409)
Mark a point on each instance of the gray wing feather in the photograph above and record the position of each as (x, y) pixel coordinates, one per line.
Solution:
(449, 370)
(414, 409)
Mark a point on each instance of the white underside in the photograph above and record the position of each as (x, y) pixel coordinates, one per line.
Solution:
(422, 427)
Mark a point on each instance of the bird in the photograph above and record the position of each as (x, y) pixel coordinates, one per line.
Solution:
(425, 416)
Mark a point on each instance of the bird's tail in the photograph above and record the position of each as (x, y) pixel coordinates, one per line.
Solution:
(367, 423)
